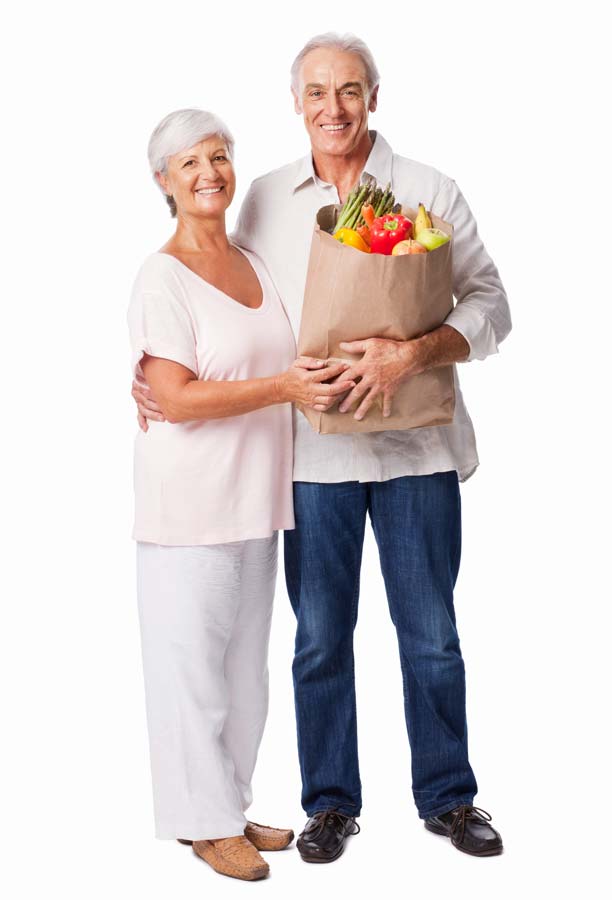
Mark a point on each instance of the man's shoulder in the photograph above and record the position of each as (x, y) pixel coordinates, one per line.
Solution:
(412, 169)
(278, 177)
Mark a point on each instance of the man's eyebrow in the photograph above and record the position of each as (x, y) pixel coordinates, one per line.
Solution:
(347, 84)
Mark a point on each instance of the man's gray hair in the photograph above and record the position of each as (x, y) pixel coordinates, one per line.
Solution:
(349, 43)
(180, 130)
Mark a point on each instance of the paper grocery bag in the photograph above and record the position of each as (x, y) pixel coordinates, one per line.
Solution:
(351, 295)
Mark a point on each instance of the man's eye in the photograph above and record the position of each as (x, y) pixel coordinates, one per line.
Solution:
(351, 93)
(315, 94)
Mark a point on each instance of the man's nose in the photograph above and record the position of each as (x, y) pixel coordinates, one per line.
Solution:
(333, 105)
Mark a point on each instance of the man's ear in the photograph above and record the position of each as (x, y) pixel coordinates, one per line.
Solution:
(373, 100)
(162, 182)
(296, 103)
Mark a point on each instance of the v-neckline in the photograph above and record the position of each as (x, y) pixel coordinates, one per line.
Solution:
(249, 309)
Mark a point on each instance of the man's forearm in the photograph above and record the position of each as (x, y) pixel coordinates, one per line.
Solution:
(441, 347)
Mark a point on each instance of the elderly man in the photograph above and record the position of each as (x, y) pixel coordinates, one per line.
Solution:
(407, 481)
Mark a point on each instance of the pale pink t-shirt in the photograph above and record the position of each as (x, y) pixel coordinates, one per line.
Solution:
(218, 480)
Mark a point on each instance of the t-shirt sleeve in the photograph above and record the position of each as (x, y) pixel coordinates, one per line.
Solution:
(160, 324)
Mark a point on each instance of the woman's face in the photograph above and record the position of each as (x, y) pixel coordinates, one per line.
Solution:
(201, 179)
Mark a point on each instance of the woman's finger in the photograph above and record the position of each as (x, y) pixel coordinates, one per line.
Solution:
(330, 371)
(332, 390)
(142, 422)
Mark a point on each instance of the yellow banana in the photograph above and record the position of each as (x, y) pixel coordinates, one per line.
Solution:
(422, 220)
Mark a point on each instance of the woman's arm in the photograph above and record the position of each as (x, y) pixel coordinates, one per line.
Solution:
(183, 398)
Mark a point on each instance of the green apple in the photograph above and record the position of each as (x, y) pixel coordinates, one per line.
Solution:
(432, 238)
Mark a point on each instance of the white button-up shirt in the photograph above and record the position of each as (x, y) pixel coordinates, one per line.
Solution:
(276, 222)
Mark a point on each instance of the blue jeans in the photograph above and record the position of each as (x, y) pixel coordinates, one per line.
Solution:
(417, 526)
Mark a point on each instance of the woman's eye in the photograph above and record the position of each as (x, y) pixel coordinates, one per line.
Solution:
(190, 162)
(222, 158)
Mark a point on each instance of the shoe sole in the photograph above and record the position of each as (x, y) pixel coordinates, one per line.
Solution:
(319, 859)
(443, 833)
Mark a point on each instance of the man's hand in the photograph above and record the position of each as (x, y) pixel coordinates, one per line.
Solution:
(385, 364)
(383, 367)
(147, 407)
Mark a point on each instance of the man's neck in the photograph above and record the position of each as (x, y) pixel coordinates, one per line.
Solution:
(343, 171)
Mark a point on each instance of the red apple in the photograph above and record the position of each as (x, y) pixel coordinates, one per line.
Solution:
(409, 246)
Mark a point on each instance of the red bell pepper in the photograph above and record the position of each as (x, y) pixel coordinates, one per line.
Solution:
(387, 231)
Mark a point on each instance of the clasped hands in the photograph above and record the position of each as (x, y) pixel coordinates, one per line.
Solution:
(382, 368)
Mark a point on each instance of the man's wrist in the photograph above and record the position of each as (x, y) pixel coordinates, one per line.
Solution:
(441, 347)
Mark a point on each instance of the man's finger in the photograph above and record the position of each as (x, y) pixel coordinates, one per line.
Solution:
(354, 346)
(149, 406)
(150, 414)
(140, 387)
(365, 405)
(309, 362)
(356, 394)
(387, 403)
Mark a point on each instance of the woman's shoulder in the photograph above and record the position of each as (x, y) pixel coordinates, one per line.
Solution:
(159, 273)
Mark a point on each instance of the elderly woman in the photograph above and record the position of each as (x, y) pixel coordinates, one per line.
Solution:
(213, 487)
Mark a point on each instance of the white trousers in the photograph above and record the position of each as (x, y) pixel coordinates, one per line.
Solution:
(205, 615)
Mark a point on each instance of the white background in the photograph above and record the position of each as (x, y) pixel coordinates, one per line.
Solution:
(509, 100)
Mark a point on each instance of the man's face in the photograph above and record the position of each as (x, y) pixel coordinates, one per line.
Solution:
(333, 98)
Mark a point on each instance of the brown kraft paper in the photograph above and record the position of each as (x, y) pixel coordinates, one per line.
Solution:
(351, 295)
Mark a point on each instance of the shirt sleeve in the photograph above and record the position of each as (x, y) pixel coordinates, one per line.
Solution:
(160, 325)
(482, 314)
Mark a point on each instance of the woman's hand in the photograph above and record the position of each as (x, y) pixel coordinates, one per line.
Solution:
(303, 382)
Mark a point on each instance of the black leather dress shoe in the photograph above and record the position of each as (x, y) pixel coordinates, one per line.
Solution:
(469, 830)
(324, 836)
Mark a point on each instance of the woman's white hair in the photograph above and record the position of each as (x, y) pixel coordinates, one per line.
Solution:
(180, 130)
(349, 43)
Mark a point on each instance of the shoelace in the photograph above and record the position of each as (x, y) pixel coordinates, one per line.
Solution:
(460, 817)
(331, 817)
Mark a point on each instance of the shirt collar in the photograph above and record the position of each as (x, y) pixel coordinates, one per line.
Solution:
(378, 164)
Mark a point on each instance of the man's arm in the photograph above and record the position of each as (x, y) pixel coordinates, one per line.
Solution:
(473, 329)
(386, 364)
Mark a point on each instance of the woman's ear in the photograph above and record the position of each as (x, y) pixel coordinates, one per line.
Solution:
(163, 183)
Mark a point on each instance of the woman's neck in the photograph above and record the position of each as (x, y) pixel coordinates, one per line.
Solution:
(196, 235)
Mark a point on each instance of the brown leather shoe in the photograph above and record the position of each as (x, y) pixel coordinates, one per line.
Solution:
(234, 856)
(264, 837)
